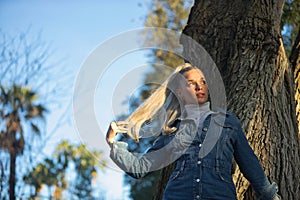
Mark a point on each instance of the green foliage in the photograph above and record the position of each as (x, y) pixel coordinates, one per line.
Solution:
(290, 23)
(25, 72)
(171, 15)
(49, 173)
(18, 103)
(18, 109)
(52, 171)
(143, 188)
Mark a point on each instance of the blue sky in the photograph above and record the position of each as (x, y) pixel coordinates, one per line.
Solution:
(74, 29)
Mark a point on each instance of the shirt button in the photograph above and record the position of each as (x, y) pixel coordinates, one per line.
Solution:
(198, 196)
(198, 180)
(204, 129)
(199, 162)
(200, 145)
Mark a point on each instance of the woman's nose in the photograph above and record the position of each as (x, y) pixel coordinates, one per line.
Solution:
(198, 87)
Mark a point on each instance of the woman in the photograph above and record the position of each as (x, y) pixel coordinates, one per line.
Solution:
(201, 142)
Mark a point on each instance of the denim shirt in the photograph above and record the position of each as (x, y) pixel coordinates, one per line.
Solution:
(201, 172)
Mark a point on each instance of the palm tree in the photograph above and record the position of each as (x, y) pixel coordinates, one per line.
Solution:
(17, 108)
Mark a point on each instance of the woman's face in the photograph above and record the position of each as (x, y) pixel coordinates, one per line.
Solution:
(194, 89)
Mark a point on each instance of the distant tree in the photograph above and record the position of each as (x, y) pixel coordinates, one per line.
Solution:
(171, 15)
(290, 23)
(49, 173)
(26, 73)
(52, 172)
(86, 165)
(17, 109)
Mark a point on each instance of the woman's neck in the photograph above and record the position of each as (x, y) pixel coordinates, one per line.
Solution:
(194, 110)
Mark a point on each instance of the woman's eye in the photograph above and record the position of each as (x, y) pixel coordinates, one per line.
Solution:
(203, 82)
(191, 84)
(194, 84)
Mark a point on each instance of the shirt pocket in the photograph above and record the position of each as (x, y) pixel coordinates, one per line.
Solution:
(185, 136)
(219, 169)
(225, 176)
(227, 138)
(224, 171)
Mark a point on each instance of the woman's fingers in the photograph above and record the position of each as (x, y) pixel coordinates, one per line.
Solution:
(120, 130)
(121, 122)
(114, 129)
(120, 126)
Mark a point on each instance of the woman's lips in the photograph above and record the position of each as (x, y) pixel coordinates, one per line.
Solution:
(200, 94)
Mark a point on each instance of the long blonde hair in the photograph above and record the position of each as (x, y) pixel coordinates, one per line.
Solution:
(163, 99)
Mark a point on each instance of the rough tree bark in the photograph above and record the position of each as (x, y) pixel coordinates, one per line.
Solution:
(244, 40)
(295, 63)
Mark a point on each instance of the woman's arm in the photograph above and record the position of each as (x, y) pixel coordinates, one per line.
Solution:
(130, 163)
(138, 167)
(250, 166)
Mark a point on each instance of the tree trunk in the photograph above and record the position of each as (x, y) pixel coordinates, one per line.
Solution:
(295, 63)
(244, 40)
(12, 174)
(162, 182)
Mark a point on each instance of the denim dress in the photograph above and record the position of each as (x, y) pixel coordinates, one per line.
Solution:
(203, 156)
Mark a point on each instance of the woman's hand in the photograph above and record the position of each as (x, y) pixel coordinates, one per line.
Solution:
(277, 197)
(114, 129)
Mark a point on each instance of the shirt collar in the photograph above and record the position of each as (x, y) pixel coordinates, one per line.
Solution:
(193, 111)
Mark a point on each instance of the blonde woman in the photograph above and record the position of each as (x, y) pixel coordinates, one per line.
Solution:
(201, 142)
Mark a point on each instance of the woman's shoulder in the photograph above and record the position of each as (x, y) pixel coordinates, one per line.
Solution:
(226, 116)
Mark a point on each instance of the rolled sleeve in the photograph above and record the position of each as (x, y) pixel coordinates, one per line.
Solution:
(269, 192)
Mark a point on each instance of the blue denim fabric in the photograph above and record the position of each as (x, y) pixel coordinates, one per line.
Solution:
(197, 177)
